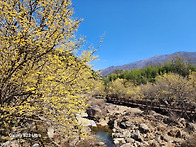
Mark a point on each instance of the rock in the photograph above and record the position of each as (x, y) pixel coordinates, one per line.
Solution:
(179, 134)
(129, 140)
(126, 145)
(136, 128)
(126, 133)
(151, 112)
(83, 114)
(116, 135)
(160, 128)
(119, 141)
(177, 143)
(114, 130)
(50, 132)
(145, 135)
(144, 128)
(128, 124)
(172, 133)
(111, 123)
(145, 143)
(169, 144)
(116, 115)
(125, 124)
(153, 143)
(122, 141)
(127, 113)
(35, 145)
(100, 143)
(137, 136)
(158, 138)
(85, 121)
(165, 138)
(115, 124)
(137, 144)
(152, 136)
(131, 131)
(116, 142)
(191, 127)
(94, 112)
(122, 125)
(92, 123)
(87, 129)
(182, 121)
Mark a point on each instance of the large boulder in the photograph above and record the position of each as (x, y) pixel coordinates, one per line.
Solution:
(84, 121)
(94, 112)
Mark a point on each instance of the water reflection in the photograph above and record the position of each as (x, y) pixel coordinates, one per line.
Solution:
(104, 135)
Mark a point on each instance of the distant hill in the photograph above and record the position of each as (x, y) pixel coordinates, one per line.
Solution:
(187, 56)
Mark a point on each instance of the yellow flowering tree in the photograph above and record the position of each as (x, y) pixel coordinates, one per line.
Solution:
(149, 92)
(122, 88)
(192, 78)
(99, 89)
(39, 75)
(175, 89)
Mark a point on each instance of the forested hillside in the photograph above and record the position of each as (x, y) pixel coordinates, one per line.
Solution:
(188, 57)
(148, 74)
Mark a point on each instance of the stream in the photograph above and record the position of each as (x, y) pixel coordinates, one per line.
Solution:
(104, 134)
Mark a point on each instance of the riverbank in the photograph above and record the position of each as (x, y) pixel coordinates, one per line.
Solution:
(136, 127)
(109, 125)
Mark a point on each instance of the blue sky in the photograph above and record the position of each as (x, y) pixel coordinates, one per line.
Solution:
(137, 29)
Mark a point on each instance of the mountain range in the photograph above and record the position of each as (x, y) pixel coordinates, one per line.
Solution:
(189, 57)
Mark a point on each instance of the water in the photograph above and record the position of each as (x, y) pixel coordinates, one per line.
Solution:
(104, 135)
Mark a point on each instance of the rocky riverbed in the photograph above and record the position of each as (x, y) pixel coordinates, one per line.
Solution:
(129, 127)
(137, 128)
